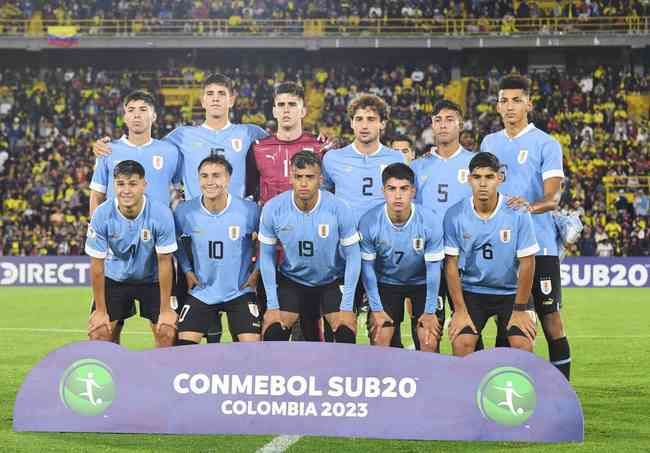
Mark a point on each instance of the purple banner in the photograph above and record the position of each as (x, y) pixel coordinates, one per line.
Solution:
(605, 272)
(300, 388)
(44, 271)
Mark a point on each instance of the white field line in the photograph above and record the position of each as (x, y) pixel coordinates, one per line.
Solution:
(279, 444)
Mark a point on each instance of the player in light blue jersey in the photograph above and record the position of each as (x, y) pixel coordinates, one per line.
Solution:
(221, 277)
(159, 159)
(130, 241)
(490, 250)
(321, 264)
(401, 252)
(533, 171)
(353, 173)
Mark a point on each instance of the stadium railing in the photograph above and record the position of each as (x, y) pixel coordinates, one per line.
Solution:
(348, 26)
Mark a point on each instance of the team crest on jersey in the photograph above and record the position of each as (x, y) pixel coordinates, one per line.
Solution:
(236, 144)
(546, 286)
(323, 230)
(145, 234)
(418, 244)
(233, 232)
(505, 235)
(462, 175)
(92, 234)
(522, 156)
(254, 309)
(157, 162)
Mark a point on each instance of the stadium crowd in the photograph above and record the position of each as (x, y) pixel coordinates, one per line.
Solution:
(62, 11)
(49, 118)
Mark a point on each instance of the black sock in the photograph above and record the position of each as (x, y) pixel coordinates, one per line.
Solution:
(479, 344)
(559, 354)
(180, 342)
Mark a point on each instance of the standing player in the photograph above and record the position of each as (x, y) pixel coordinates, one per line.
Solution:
(404, 144)
(401, 252)
(268, 170)
(441, 175)
(159, 159)
(532, 163)
(321, 263)
(222, 227)
(490, 252)
(130, 242)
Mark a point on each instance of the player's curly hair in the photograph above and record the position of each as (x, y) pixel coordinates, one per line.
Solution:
(369, 101)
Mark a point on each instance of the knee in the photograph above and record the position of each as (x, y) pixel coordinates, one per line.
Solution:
(519, 342)
(100, 335)
(464, 344)
(343, 334)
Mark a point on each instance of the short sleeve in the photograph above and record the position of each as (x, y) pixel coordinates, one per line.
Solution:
(99, 181)
(526, 240)
(266, 234)
(347, 225)
(552, 160)
(97, 237)
(451, 242)
(165, 233)
(368, 248)
(256, 133)
(434, 249)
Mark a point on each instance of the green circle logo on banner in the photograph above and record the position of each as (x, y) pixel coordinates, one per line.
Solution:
(506, 396)
(87, 387)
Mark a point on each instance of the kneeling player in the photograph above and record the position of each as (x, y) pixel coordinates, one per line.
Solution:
(493, 247)
(130, 242)
(322, 260)
(401, 252)
(221, 229)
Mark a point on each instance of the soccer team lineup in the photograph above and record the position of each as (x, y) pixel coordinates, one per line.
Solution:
(292, 235)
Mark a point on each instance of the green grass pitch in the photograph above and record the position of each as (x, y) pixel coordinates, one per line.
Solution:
(608, 330)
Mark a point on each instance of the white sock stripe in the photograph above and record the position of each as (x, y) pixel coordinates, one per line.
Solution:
(562, 362)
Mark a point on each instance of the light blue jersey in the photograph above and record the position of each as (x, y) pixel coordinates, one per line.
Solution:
(528, 159)
(197, 142)
(129, 246)
(311, 242)
(488, 249)
(222, 247)
(159, 159)
(399, 254)
(441, 182)
(356, 177)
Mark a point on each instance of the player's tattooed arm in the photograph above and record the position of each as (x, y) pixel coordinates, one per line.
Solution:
(102, 147)
(461, 317)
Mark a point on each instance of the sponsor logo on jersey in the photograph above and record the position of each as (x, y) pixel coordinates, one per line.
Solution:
(323, 230)
(233, 232)
(463, 173)
(548, 301)
(254, 309)
(418, 244)
(145, 234)
(505, 235)
(157, 162)
(522, 156)
(92, 234)
(236, 144)
(546, 286)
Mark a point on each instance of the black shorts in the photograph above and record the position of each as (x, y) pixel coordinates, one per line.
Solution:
(482, 307)
(121, 296)
(243, 315)
(392, 299)
(294, 297)
(547, 286)
(443, 295)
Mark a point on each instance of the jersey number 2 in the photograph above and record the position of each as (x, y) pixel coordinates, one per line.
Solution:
(367, 184)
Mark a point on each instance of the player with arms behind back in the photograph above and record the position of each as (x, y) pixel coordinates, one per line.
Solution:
(490, 264)
(533, 170)
(130, 241)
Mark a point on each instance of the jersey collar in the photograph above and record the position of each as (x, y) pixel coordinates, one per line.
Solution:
(117, 208)
(499, 201)
(406, 223)
(381, 145)
(126, 141)
(293, 202)
(207, 211)
(456, 153)
(205, 125)
(525, 130)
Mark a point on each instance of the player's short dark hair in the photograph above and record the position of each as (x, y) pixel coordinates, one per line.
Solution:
(402, 138)
(369, 101)
(446, 104)
(216, 158)
(398, 170)
(305, 158)
(218, 79)
(128, 168)
(515, 82)
(292, 88)
(141, 95)
(484, 160)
